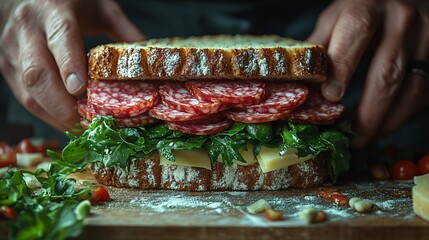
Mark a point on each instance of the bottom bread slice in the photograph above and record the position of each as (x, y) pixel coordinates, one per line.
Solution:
(147, 173)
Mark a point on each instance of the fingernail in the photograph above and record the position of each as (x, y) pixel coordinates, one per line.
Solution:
(73, 83)
(334, 89)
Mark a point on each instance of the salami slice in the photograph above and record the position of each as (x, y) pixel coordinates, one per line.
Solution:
(282, 97)
(177, 97)
(162, 112)
(85, 111)
(245, 93)
(89, 113)
(121, 98)
(201, 129)
(254, 117)
(317, 110)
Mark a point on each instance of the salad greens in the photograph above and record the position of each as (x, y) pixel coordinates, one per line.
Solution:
(57, 209)
(112, 146)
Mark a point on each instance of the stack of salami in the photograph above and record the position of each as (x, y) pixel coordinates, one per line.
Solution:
(205, 107)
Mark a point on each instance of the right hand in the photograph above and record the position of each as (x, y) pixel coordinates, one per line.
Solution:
(42, 54)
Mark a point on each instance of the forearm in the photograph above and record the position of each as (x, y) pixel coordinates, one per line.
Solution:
(6, 8)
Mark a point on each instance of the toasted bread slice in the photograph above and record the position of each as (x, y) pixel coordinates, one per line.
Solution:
(147, 173)
(239, 57)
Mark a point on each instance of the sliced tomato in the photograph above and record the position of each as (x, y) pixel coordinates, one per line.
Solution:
(404, 170)
(8, 212)
(424, 164)
(7, 155)
(100, 194)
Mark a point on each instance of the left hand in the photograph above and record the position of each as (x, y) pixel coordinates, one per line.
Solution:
(399, 31)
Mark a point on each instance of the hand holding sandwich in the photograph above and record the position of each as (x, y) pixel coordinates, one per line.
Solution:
(397, 32)
(42, 55)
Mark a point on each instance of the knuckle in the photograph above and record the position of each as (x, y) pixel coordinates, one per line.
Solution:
(32, 75)
(59, 29)
(359, 18)
(23, 14)
(389, 75)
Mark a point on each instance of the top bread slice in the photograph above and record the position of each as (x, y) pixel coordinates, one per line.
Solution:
(244, 57)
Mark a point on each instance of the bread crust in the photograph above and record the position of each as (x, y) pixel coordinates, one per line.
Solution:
(289, 60)
(147, 173)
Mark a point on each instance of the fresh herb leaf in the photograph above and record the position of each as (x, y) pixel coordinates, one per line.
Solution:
(260, 131)
(338, 145)
(165, 147)
(309, 139)
(227, 147)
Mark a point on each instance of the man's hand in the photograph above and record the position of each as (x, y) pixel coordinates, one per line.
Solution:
(42, 54)
(398, 31)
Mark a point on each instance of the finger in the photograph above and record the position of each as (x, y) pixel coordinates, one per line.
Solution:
(119, 27)
(40, 77)
(325, 25)
(24, 97)
(412, 96)
(8, 43)
(66, 45)
(351, 35)
(385, 74)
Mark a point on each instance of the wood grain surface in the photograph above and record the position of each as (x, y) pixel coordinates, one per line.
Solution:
(137, 214)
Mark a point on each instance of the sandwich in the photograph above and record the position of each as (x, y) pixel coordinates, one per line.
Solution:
(209, 113)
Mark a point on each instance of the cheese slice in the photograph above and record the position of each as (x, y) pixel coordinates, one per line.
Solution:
(28, 159)
(270, 160)
(189, 158)
(421, 196)
(421, 201)
(422, 179)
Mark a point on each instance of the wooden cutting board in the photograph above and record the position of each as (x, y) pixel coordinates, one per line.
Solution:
(136, 214)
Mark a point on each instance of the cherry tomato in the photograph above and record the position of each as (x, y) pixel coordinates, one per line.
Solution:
(340, 199)
(26, 146)
(424, 164)
(8, 212)
(7, 155)
(404, 170)
(100, 194)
